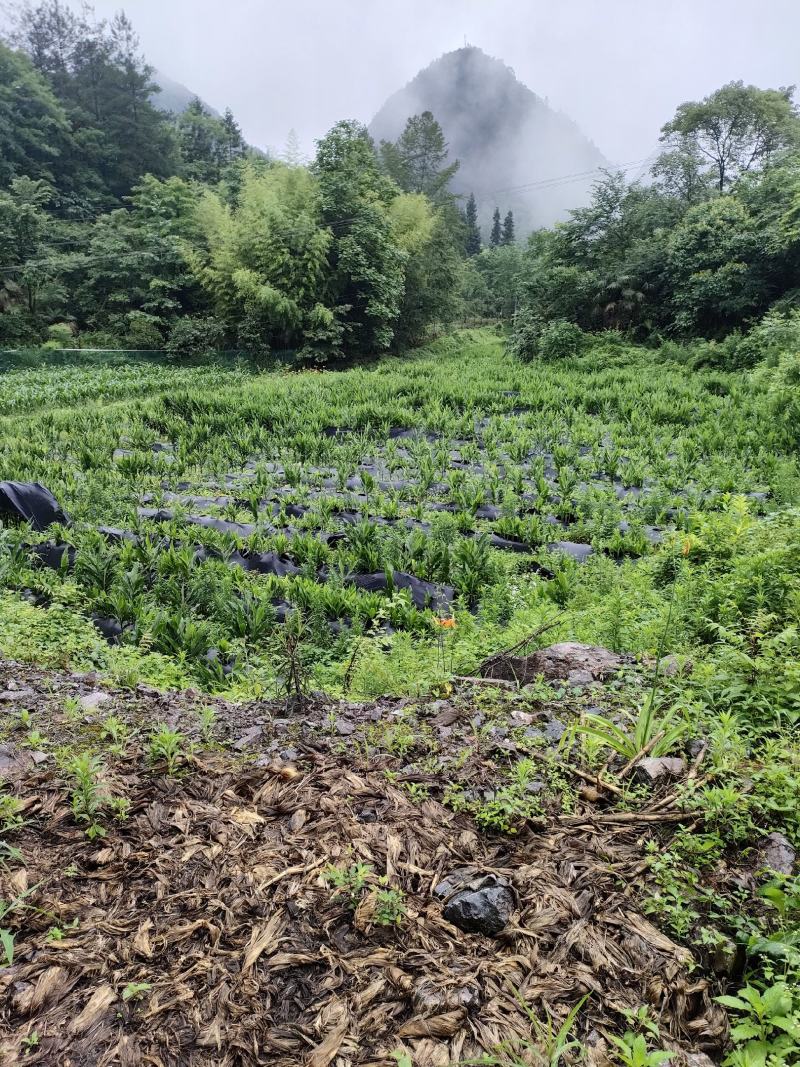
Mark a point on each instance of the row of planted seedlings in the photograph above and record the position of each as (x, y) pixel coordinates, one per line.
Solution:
(384, 463)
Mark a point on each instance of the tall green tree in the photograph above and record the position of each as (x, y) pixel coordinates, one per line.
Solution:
(472, 231)
(133, 277)
(735, 129)
(264, 263)
(367, 282)
(35, 135)
(96, 70)
(496, 235)
(28, 248)
(417, 161)
(507, 236)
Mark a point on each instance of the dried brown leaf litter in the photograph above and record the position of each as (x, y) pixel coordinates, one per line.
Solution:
(208, 905)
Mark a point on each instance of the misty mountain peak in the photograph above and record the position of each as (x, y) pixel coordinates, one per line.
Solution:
(503, 134)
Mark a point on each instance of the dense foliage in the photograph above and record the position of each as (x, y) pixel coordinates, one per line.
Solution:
(123, 226)
(705, 250)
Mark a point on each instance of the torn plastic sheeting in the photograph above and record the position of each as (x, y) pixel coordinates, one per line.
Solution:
(271, 563)
(155, 514)
(115, 535)
(423, 594)
(507, 544)
(577, 551)
(53, 555)
(111, 629)
(31, 502)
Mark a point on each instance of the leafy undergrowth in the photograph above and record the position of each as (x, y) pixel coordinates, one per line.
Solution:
(192, 881)
(368, 504)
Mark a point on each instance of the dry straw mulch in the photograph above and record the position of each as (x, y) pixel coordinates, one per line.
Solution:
(211, 893)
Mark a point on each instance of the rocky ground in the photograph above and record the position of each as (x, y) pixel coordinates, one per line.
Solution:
(325, 882)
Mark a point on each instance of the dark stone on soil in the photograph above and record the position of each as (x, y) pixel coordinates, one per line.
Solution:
(475, 902)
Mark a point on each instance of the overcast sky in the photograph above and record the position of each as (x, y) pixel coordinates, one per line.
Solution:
(618, 67)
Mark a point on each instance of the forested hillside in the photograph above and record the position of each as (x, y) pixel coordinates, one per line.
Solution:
(509, 142)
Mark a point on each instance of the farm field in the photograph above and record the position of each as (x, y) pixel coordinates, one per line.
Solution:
(210, 505)
(277, 676)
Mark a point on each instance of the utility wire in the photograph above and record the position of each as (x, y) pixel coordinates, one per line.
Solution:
(541, 183)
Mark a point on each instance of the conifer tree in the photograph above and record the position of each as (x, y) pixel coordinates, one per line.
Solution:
(496, 235)
(508, 229)
(472, 241)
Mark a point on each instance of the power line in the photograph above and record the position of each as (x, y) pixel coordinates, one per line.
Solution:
(538, 184)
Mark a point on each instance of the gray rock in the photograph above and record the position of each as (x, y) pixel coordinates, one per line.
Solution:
(344, 727)
(12, 695)
(555, 663)
(248, 738)
(659, 768)
(777, 853)
(554, 730)
(579, 678)
(94, 700)
(8, 758)
(724, 957)
(476, 903)
(698, 1059)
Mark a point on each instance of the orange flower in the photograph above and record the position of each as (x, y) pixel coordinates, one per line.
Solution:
(687, 547)
(445, 624)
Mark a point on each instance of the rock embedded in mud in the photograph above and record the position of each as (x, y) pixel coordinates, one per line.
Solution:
(659, 768)
(476, 903)
(777, 853)
(559, 662)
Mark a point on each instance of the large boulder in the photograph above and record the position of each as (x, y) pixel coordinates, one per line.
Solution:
(567, 661)
(30, 502)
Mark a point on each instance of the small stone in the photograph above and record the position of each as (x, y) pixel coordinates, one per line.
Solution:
(659, 768)
(696, 746)
(672, 666)
(248, 738)
(577, 679)
(554, 730)
(344, 727)
(9, 695)
(777, 853)
(94, 700)
(39, 757)
(8, 758)
(481, 903)
(698, 1059)
(724, 957)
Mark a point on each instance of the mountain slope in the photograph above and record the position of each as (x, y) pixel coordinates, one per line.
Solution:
(174, 96)
(504, 135)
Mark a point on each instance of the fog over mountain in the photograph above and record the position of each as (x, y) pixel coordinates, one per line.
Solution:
(619, 69)
(175, 97)
(509, 142)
